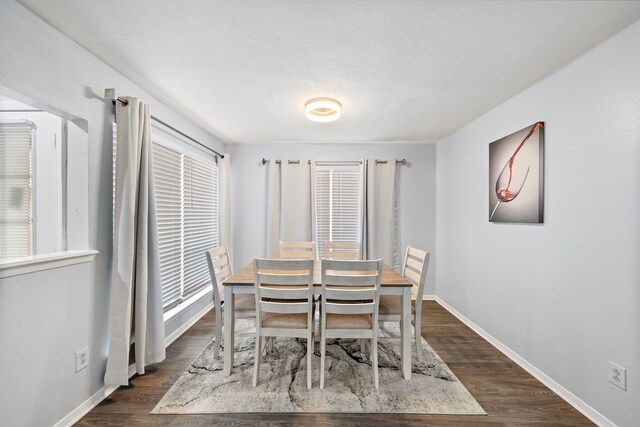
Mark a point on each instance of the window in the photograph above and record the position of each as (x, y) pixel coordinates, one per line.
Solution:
(186, 187)
(43, 184)
(16, 189)
(338, 201)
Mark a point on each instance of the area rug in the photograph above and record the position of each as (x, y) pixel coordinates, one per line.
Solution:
(203, 388)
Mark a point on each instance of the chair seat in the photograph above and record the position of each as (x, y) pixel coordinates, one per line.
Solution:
(391, 304)
(348, 321)
(281, 320)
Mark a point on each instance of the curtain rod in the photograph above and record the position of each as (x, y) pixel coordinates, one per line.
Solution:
(291, 162)
(125, 102)
(297, 162)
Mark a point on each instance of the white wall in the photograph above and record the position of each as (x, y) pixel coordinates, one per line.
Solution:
(565, 295)
(46, 317)
(249, 191)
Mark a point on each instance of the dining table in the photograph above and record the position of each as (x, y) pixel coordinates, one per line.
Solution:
(392, 283)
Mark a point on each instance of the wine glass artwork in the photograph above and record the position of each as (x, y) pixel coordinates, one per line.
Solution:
(510, 182)
(514, 174)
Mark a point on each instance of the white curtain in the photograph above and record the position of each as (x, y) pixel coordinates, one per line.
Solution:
(380, 236)
(136, 295)
(273, 210)
(314, 209)
(289, 204)
(224, 197)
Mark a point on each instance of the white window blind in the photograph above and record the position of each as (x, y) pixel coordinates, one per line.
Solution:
(16, 189)
(187, 204)
(337, 204)
(200, 221)
(168, 176)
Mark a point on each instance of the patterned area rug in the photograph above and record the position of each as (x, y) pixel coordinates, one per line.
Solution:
(203, 388)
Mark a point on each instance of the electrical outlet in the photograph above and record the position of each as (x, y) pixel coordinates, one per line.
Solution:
(82, 359)
(618, 375)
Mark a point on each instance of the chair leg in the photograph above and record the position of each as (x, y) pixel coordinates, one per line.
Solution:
(218, 342)
(270, 342)
(363, 347)
(416, 328)
(323, 350)
(309, 359)
(374, 360)
(256, 366)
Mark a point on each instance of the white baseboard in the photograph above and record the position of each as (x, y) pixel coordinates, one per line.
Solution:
(79, 412)
(93, 401)
(565, 394)
(428, 297)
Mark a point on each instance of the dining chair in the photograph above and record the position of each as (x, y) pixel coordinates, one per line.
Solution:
(414, 269)
(349, 308)
(219, 263)
(297, 250)
(284, 305)
(342, 250)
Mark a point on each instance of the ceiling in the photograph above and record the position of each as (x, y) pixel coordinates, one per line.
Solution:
(403, 70)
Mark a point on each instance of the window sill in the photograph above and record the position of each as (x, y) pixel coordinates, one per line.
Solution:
(18, 266)
(195, 298)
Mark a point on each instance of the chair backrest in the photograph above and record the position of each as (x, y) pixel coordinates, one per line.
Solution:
(219, 263)
(297, 250)
(283, 286)
(416, 264)
(351, 287)
(342, 250)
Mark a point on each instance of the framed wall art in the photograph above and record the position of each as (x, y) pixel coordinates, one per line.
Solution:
(516, 178)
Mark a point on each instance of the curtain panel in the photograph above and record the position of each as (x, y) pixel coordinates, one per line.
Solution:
(380, 231)
(135, 307)
(224, 197)
(289, 204)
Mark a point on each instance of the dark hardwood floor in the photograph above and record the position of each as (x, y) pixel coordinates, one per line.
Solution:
(508, 394)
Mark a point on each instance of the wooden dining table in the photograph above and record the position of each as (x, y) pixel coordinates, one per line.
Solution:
(392, 283)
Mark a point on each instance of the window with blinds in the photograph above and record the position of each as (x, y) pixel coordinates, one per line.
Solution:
(16, 189)
(337, 204)
(186, 189)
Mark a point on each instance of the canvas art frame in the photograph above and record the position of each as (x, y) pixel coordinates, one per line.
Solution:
(516, 176)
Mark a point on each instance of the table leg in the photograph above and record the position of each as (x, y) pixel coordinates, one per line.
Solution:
(405, 325)
(229, 324)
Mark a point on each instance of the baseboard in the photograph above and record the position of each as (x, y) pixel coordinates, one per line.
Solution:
(428, 297)
(79, 412)
(565, 394)
(93, 401)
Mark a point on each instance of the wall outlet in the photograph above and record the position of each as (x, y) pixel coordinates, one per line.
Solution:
(618, 375)
(82, 359)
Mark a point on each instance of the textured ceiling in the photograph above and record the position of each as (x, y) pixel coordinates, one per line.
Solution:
(403, 70)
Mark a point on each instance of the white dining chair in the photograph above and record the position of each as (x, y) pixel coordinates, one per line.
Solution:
(349, 307)
(416, 264)
(219, 263)
(297, 250)
(342, 250)
(284, 305)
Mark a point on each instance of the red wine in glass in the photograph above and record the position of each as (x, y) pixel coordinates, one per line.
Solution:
(510, 182)
(513, 175)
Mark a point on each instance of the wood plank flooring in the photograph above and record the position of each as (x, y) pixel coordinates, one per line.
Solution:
(509, 395)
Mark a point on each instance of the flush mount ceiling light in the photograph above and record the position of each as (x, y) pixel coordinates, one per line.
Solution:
(322, 109)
